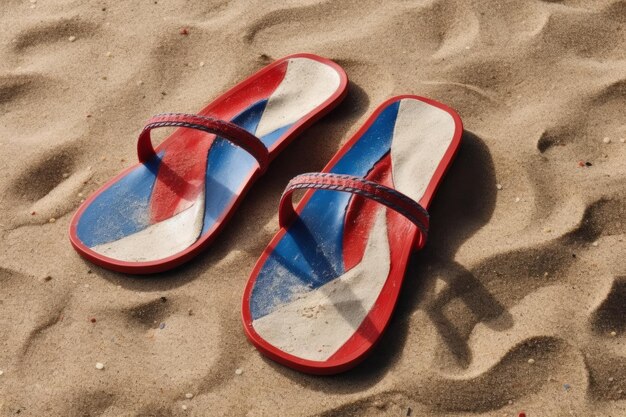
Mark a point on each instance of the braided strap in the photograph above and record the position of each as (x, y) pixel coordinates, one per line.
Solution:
(386, 196)
(224, 129)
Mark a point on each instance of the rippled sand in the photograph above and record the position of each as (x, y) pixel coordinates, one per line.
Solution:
(510, 308)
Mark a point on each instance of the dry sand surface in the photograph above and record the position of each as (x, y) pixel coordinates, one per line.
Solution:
(518, 303)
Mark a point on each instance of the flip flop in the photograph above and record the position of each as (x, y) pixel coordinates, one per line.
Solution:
(162, 211)
(323, 290)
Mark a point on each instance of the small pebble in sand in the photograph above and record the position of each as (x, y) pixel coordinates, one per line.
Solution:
(622, 140)
(238, 371)
(71, 38)
(1, 372)
(613, 333)
(93, 320)
(140, 82)
(595, 244)
(80, 194)
(184, 31)
(606, 140)
(202, 63)
(611, 379)
(588, 164)
(190, 312)
(99, 366)
(499, 186)
(510, 402)
(184, 407)
(522, 414)
(547, 230)
(52, 220)
(109, 54)
(620, 392)
(65, 175)
(517, 199)
(581, 163)
(545, 274)
(566, 387)
(162, 326)
(47, 278)
(531, 361)
(32, 213)
(379, 404)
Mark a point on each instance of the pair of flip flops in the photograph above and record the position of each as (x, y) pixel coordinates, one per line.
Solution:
(323, 290)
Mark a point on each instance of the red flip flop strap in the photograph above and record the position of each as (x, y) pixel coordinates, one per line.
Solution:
(222, 128)
(389, 197)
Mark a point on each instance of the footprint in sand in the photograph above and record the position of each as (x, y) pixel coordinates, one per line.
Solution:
(51, 186)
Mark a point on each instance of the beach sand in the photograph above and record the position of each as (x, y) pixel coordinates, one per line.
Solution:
(517, 304)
